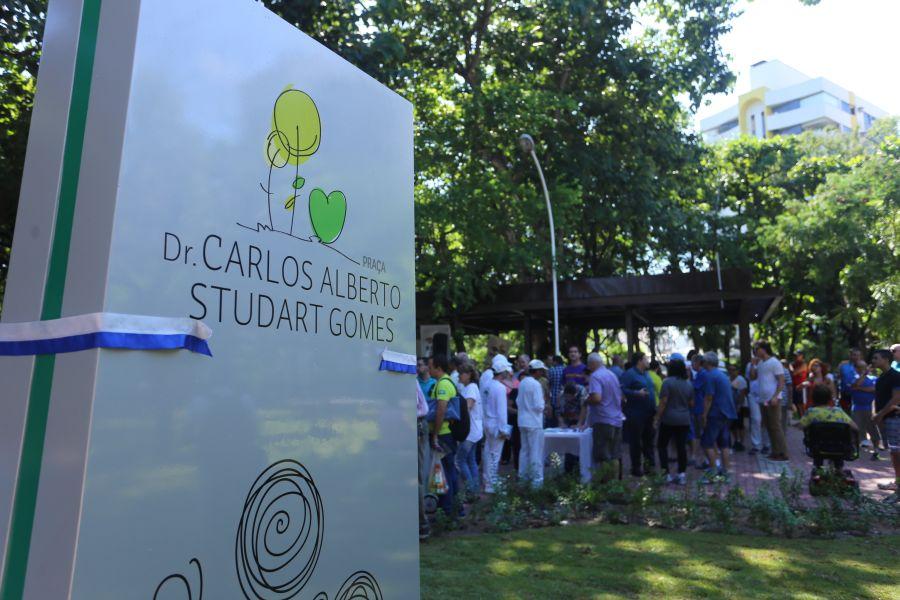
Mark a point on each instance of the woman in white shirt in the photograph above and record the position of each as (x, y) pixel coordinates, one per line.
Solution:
(465, 455)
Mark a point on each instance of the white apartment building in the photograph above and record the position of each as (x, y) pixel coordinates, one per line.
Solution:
(782, 101)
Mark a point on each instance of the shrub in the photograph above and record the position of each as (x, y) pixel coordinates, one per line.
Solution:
(771, 514)
(517, 505)
(726, 510)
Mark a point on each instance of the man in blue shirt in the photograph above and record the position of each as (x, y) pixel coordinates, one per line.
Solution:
(862, 397)
(698, 378)
(616, 366)
(426, 381)
(847, 373)
(639, 409)
(718, 412)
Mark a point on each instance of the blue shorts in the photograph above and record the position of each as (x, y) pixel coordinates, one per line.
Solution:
(891, 429)
(717, 432)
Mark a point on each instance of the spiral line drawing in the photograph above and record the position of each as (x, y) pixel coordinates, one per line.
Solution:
(360, 586)
(279, 537)
(179, 578)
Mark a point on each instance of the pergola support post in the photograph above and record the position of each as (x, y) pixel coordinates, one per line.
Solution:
(630, 332)
(528, 337)
(744, 336)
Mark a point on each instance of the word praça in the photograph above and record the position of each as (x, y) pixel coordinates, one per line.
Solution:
(374, 264)
(252, 262)
(260, 310)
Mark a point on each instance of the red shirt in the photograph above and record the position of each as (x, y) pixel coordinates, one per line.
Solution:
(799, 373)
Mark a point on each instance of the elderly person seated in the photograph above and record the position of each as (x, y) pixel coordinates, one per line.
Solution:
(822, 411)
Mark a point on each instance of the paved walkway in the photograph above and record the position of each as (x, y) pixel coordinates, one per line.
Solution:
(754, 471)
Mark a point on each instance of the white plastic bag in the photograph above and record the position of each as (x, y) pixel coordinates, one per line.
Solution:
(437, 479)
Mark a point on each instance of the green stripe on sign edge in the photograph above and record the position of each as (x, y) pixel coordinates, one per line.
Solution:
(22, 523)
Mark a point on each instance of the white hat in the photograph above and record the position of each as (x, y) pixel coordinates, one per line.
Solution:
(499, 364)
(537, 364)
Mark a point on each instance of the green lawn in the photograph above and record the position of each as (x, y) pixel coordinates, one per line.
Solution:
(607, 561)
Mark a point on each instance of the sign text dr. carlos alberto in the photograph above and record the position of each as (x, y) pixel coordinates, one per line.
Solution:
(301, 295)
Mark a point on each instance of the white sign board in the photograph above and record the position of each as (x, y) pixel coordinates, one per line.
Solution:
(234, 171)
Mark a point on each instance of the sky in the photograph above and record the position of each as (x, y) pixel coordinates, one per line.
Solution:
(854, 43)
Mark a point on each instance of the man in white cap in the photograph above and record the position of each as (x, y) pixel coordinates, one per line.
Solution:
(530, 404)
(496, 430)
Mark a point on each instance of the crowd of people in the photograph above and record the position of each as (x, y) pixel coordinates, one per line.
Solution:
(694, 407)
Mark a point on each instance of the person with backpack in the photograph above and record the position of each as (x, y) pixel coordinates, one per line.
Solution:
(530, 404)
(466, 455)
(442, 440)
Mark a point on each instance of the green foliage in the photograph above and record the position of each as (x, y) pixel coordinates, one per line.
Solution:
(598, 93)
(816, 215)
(771, 514)
(725, 510)
(21, 25)
(781, 510)
(603, 88)
(791, 488)
(597, 84)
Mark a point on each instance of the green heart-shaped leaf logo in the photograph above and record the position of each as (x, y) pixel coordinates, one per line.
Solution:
(327, 214)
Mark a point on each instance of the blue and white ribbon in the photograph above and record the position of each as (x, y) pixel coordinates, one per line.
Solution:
(103, 330)
(397, 362)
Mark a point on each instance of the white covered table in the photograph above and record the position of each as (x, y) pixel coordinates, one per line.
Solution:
(571, 441)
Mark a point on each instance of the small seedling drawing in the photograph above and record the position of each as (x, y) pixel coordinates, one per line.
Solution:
(294, 137)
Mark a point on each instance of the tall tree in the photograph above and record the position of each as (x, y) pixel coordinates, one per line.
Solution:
(813, 214)
(598, 86)
(21, 27)
(839, 247)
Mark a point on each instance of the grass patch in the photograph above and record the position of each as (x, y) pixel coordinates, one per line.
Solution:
(609, 561)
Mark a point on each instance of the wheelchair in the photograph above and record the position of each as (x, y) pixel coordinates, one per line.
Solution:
(835, 442)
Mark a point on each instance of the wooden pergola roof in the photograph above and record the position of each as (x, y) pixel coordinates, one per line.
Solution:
(655, 300)
(681, 299)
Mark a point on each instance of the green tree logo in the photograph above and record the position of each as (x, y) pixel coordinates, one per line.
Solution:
(295, 136)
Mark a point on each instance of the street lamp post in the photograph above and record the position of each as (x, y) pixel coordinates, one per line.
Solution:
(527, 144)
